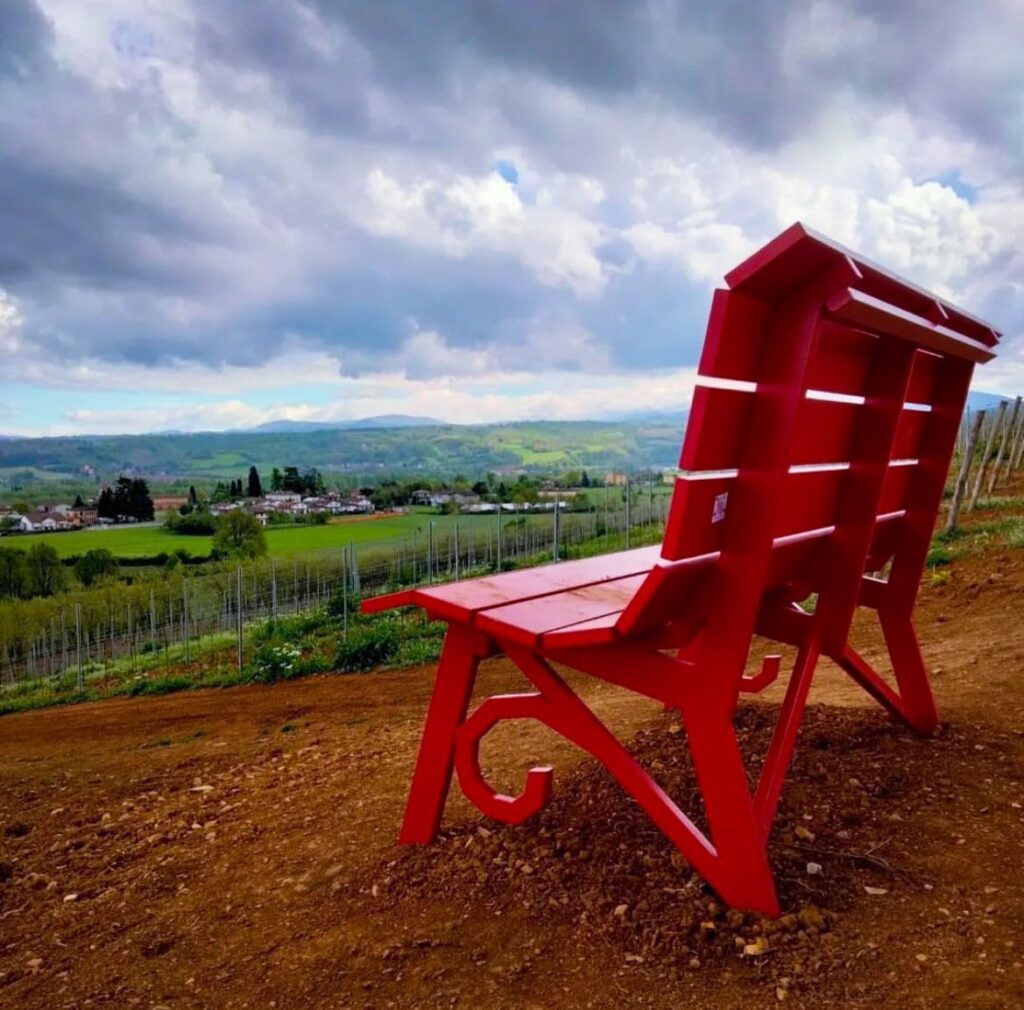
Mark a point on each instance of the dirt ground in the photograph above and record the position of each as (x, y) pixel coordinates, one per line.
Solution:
(236, 848)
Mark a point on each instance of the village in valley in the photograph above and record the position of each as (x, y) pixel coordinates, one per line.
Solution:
(296, 497)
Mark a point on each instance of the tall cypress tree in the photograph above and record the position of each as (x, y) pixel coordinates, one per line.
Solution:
(255, 485)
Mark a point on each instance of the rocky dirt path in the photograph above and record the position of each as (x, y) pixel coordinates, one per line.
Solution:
(236, 849)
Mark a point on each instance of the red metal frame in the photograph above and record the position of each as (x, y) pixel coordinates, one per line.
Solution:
(822, 460)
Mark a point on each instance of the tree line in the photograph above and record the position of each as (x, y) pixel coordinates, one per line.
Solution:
(307, 483)
(127, 498)
(39, 571)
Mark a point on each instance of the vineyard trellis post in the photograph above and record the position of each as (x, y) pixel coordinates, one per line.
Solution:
(273, 590)
(344, 593)
(965, 471)
(627, 512)
(78, 643)
(986, 452)
(238, 614)
(1007, 428)
(184, 618)
(1013, 460)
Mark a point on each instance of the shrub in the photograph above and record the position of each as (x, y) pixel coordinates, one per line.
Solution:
(161, 685)
(276, 662)
(337, 604)
(193, 524)
(368, 646)
(939, 556)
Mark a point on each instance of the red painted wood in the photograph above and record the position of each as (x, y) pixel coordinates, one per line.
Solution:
(460, 600)
(792, 495)
(735, 335)
(924, 376)
(825, 431)
(716, 429)
(862, 310)
(910, 430)
(842, 359)
(526, 621)
(672, 588)
(696, 518)
(597, 631)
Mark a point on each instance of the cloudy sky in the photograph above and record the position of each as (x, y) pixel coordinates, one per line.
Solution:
(219, 212)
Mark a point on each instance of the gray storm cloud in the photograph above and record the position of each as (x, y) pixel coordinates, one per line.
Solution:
(207, 181)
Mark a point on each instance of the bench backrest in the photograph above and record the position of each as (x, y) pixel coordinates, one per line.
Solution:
(820, 435)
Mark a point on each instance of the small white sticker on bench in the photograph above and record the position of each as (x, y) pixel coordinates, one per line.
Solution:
(718, 509)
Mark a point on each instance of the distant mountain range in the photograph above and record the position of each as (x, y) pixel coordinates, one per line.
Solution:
(368, 448)
(985, 401)
(378, 421)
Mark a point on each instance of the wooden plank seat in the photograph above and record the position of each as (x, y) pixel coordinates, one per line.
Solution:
(813, 465)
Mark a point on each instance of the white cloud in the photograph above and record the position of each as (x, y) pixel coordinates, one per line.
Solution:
(258, 228)
(485, 214)
(10, 323)
(931, 231)
(485, 399)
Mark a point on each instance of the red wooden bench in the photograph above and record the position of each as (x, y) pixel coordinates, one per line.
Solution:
(815, 457)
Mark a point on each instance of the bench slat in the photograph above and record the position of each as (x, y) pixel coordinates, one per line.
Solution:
(526, 621)
(864, 310)
(716, 429)
(842, 359)
(460, 600)
(735, 337)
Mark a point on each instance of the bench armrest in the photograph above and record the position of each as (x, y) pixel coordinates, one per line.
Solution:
(405, 598)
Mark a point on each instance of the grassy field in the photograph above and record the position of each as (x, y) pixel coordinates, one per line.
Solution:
(282, 541)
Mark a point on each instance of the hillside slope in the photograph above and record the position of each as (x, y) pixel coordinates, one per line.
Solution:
(433, 450)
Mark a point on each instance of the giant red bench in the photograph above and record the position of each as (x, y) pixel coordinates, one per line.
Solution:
(813, 466)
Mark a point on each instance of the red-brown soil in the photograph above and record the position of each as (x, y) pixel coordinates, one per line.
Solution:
(236, 848)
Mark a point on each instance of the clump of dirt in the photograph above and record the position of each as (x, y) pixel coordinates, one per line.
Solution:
(593, 861)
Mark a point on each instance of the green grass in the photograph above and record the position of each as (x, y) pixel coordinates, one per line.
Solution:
(122, 541)
(530, 456)
(282, 541)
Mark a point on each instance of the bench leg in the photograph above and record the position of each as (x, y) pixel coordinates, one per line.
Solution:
(918, 703)
(780, 750)
(734, 861)
(453, 687)
(914, 704)
(740, 873)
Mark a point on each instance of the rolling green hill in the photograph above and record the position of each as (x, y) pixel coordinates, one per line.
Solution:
(441, 450)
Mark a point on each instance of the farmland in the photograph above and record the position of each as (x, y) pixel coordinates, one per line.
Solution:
(282, 541)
